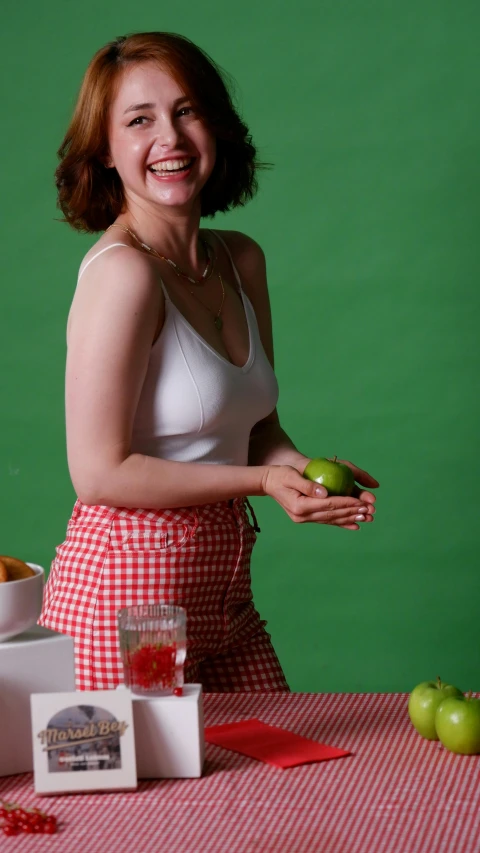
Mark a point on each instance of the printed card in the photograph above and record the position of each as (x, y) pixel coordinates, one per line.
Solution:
(83, 741)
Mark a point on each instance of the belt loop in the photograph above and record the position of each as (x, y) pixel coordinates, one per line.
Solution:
(254, 517)
(75, 513)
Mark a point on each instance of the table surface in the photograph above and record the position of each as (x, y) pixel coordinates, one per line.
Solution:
(397, 793)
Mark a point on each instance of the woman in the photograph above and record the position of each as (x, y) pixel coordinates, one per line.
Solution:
(170, 389)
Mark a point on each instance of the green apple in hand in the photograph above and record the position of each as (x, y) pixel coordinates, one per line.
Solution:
(337, 478)
(457, 722)
(423, 703)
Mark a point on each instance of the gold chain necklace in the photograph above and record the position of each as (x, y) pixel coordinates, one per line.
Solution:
(209, 267)
(217, 318)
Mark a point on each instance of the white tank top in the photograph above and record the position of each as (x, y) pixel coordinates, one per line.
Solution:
(195, 405)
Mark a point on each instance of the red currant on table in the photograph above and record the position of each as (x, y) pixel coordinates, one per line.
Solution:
(17, 819)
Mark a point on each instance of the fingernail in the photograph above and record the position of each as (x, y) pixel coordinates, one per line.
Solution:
(320, 491)
(359, 518)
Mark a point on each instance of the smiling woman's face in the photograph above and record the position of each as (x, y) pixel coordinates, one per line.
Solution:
(161, 150)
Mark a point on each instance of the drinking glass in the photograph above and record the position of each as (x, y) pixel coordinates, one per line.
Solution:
(153, 647)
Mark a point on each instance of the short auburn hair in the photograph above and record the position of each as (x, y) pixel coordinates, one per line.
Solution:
(91, 195)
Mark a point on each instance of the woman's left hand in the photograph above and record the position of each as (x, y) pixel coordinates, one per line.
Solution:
(364, 479)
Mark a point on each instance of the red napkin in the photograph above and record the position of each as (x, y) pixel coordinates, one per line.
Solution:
(270, 744)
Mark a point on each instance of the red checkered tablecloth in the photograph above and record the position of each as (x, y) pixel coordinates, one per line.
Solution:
(397, 793)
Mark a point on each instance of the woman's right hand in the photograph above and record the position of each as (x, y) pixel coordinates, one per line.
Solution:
(306, 501)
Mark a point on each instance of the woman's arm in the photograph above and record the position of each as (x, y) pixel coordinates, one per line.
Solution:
(112, 324)
(269, 443)
(117, 310)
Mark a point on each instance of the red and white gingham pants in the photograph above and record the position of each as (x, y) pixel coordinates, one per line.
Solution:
(197, 557)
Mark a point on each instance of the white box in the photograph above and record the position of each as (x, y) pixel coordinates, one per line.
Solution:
(37, 661)
(169, 735)
(83, 741)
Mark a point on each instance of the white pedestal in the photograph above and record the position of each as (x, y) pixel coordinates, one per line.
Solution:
(169, 736)
(37, 661)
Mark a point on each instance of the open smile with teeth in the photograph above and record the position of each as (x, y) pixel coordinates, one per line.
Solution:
(169, 166)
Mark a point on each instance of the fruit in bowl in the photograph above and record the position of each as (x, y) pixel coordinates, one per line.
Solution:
(12, 569)
(21, 593)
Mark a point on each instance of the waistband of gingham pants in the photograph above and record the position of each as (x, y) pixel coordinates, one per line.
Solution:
(104, 515)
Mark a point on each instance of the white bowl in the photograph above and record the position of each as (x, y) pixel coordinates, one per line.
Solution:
(20, 603)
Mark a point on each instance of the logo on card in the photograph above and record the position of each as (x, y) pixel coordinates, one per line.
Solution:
(83, 737)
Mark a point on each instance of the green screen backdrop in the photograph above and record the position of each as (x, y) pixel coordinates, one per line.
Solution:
(369, 220)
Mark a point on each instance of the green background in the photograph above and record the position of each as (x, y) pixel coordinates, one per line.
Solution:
(369, 111)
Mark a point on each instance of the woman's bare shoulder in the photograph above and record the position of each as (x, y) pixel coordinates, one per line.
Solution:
(121, 277)
(244, 249)
(107, 246)
(249, 259)
(110, 260)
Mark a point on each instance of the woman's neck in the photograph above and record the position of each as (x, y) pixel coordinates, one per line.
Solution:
(173, 233)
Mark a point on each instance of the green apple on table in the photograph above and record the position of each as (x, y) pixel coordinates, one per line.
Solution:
(457, 722)
(424, 700)
(337, 478)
